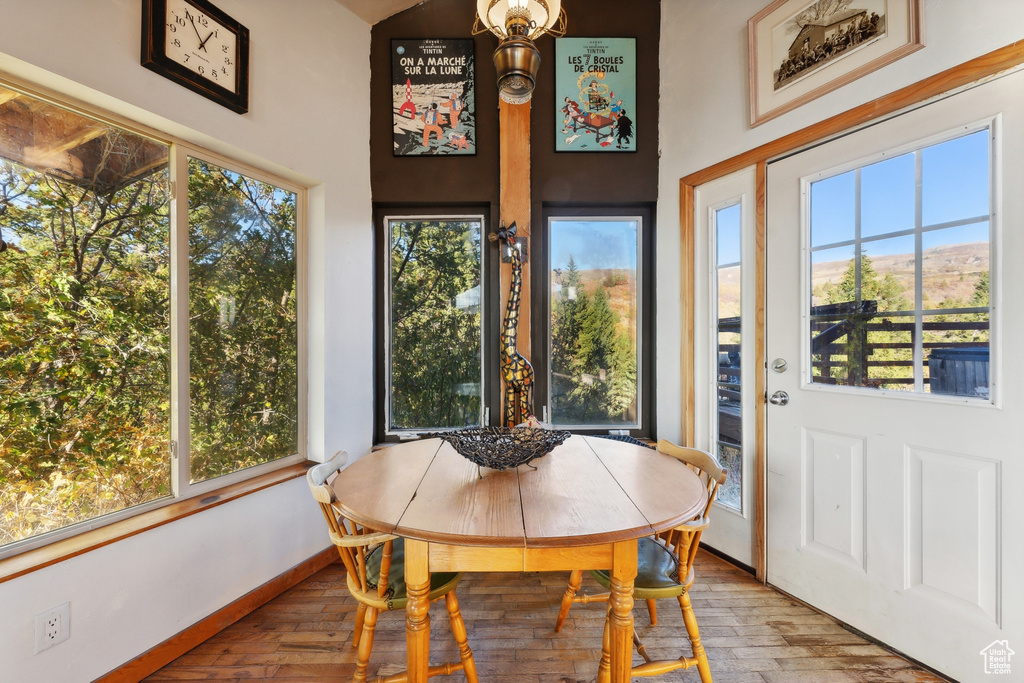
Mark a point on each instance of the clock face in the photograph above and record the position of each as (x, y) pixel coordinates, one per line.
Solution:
(200, 43)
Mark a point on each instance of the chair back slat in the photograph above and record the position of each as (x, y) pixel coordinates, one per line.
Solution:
(704, 464)
(352, 540)
(685, 539)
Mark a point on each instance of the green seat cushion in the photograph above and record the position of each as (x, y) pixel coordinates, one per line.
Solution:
(440, 582)
(657, 572)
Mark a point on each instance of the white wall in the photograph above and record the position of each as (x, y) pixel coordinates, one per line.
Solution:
(308, 121)
(705, 117)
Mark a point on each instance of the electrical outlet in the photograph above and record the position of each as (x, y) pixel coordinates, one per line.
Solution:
(53, 626)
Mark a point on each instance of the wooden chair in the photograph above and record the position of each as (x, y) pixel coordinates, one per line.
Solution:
(375, 569)
(664, 570)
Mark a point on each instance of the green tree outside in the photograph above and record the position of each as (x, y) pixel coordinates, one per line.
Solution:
(86, 319)
(891, 362)
(593, 359)
(84, 354)
(435, 324)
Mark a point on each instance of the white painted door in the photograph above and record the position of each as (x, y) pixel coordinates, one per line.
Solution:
(896, 470)
(725, 366)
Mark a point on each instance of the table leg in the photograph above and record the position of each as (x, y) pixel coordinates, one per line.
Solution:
(417, 610)
(620, 612)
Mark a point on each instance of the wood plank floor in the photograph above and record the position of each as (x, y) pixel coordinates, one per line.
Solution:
(752, 633)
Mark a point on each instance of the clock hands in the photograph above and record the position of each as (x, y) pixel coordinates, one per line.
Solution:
(202, 43)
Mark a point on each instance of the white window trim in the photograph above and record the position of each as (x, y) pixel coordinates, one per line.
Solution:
(74, 539)
(386, 284)
(993, 125)
(640, 275)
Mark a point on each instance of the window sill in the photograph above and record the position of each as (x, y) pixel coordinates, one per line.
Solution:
(58, 551)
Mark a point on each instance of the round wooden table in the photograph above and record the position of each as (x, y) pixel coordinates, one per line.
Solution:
(584, 507)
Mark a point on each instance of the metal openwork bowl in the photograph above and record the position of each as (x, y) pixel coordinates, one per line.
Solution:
(503, 448)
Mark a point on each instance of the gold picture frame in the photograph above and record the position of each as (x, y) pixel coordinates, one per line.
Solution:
(801, 49)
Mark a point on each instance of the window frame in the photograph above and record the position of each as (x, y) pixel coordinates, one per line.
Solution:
(489, 391)
(918, 313)
(34, 552)
(644, 213)
(180, 375)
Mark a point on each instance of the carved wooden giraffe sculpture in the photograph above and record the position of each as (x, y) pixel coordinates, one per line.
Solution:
(515, 369)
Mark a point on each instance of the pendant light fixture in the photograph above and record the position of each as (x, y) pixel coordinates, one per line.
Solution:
(517, 23)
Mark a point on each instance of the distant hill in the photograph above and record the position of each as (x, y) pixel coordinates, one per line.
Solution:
(949, 272)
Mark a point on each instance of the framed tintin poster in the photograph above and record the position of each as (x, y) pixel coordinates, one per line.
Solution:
(434, 101)
(595, 95)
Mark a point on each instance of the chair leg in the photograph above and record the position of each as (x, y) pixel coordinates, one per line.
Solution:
(604, 667)
(691, 629)
(641, 649)
(365, 645)
(360, 616)
(459, 630)
(575, 579)
(652, 610)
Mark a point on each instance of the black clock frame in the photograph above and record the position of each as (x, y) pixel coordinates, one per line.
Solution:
(154, 55)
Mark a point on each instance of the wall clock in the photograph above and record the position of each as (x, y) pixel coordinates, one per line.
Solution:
(198, 46)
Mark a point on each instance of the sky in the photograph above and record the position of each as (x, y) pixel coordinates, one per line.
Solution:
(955, 179)
(594, 243)
(954, 187)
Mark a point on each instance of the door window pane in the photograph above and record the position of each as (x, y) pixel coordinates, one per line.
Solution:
(955, 179)
(887, 196)
(955, 263)
(243, 328)
(887, 269)
(833, 209)
(833, 275)
(956, 354)
(435, 323)
(728, 416)
(84, 318)
(594, 275)
(933, 274)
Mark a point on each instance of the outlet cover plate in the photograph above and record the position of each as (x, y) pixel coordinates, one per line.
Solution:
(53, 626)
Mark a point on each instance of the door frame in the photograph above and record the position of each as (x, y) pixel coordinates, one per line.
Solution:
(945, 83)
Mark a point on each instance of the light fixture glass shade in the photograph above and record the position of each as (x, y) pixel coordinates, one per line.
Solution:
(528, 18)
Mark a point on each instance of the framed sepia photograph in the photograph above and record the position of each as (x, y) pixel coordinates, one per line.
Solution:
(595, 95)
(802, 49)
(433, 98)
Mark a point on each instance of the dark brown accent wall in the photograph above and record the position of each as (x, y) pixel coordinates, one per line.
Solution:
(612, 181)
(564, 177)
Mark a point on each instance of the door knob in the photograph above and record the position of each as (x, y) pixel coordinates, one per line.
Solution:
(779, 398)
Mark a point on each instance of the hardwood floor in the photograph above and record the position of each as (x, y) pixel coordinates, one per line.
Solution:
(752, 633)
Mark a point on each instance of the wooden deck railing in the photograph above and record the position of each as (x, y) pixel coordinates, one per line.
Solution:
(846, 341)
(847, 345)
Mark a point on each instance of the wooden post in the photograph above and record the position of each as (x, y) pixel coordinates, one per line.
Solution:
(514, 142)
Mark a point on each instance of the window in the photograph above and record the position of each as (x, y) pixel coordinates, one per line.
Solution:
(439, 321)
(434, 323)
(113, 289)
(900, 254)
(243, 321)
(727, 349)
(597, 276)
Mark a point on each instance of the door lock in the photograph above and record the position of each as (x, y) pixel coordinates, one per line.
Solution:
(779, 365)
(779, 398)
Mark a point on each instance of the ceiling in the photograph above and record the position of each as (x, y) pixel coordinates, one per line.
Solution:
(373, 11)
